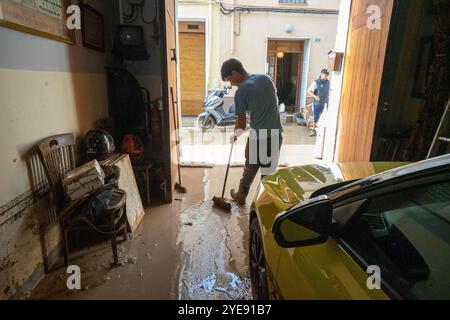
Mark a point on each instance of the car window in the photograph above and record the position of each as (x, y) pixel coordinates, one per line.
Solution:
(407, 234)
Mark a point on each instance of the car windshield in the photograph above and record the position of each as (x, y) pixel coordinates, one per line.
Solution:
(407, 234)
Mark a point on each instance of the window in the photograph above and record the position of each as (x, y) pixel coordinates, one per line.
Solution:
(407, 234)
(292, 1)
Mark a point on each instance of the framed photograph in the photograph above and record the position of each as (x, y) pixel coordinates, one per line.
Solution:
(424, 61)
(92, 28)
(46, 18)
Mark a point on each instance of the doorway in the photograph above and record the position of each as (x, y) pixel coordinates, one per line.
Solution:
(285, 62)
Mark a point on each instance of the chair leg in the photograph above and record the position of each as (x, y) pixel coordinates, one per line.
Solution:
(114, 239)
(66, 246)
(114, 248)
(125, 229)
(125, 233)
(147, 186)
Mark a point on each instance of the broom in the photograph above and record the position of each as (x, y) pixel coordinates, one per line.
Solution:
(221, 202)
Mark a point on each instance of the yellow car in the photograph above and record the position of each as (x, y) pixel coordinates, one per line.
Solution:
(353, 231)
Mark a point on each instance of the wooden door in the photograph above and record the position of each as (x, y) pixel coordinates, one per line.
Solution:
(169, 85)
(299, 80)
(285, 46)
(192, 67)
(365, 56)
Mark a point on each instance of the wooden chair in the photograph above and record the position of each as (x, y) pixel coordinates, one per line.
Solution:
(57, 155)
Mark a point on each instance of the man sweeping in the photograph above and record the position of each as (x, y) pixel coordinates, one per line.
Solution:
(255, 97)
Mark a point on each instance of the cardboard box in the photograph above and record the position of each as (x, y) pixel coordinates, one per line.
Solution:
(84, 180)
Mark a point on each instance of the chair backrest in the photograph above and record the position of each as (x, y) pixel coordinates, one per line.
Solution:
(57, 155)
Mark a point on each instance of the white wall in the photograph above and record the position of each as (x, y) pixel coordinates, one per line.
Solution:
(46, 88)
(250, 46)
(331, 135)
(319, 4)
(257, 28)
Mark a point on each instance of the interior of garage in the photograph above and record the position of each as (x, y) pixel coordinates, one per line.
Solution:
(395, 82)
(415, 81)
(131, 94)
(73, 89)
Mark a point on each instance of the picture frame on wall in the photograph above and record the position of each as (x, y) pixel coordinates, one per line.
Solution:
(424, 61)
(45, 18)
(92, 28)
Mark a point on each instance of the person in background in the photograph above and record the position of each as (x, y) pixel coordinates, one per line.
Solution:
(320, 91)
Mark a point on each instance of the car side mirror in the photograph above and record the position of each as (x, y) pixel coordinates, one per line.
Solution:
(307, 225)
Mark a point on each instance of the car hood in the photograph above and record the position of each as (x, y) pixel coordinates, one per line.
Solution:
(287, 187)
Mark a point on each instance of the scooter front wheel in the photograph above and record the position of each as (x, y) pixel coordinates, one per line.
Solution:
(206, 124)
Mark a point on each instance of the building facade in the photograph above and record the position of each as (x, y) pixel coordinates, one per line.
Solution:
(289, 40)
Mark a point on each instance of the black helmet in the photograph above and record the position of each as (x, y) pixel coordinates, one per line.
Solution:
(99, 141)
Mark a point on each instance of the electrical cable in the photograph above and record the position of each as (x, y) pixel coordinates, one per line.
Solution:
(133, 17)
(139, 10)
(151, 21)
(128, 16)
(238, 33)
(226, 11)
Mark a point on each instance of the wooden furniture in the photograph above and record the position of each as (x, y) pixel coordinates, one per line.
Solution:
(57, 155)
(287, 118)
(115, 223)
(142, 174)
(46, 18)
(135, 210)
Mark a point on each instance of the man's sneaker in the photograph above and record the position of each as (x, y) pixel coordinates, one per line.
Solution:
(239, 198)
(313, 133)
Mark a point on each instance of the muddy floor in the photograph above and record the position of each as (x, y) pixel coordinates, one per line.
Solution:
(185, 250)
(213, 254)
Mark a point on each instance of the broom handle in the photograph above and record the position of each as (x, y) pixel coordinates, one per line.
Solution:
(177, 137)
(228, 169)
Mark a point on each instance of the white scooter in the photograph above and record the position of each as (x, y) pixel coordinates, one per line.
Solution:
(215, 114)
